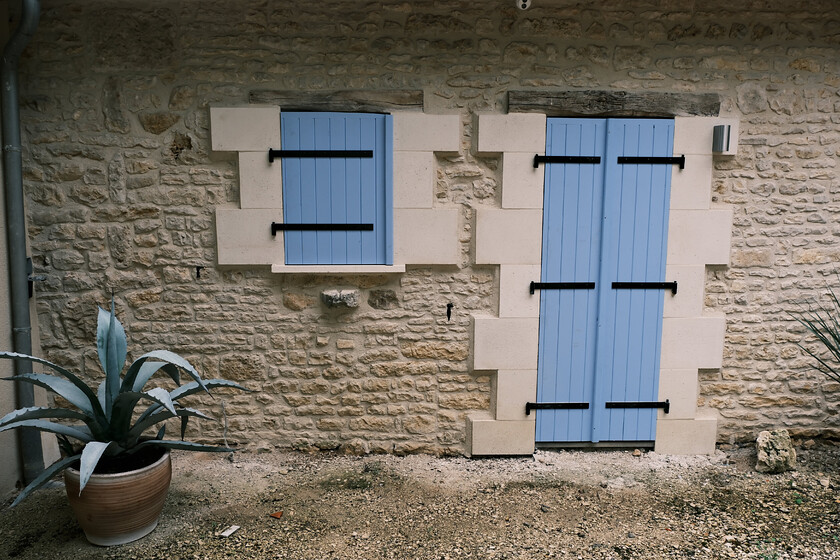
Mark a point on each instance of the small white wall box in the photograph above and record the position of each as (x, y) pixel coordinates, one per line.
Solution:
(721, 138)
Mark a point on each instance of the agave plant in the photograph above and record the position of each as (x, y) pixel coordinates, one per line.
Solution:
(105, 421)
(824, 324)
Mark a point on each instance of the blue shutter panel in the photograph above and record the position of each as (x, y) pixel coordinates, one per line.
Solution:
(573, 201)
(338, 190)
(636, 202)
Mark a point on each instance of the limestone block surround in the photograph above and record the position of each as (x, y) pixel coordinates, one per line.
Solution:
(423, 233)
(699, 235)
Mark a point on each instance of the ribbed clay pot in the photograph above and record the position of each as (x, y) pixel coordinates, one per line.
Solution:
(122, 507)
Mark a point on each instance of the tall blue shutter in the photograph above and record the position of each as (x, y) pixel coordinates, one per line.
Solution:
(338, 190)
(572, 206)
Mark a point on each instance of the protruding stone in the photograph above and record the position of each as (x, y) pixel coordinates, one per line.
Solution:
(340, 298)
(383, 299)
(158, 122)
(775, 452)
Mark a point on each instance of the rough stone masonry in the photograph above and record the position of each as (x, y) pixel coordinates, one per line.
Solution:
(121, 187)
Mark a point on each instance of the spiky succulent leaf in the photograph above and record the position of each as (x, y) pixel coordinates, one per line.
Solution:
(41, 412)
(193, 388)
(111, 346)
(161, 415)
(78, 383)
(824, 324)
(63, 388)
(80, 433)
(45, 476)
(90, 458)
(185, 445)
(100, 394)
(184, 420)
(147, 370)
(162, 356)
(126, 402)
(161, 433)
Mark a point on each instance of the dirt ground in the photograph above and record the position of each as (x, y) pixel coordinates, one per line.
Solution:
(558, 504)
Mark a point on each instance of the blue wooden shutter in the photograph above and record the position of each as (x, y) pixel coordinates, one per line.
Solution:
(339, 190)
(635, 230)
(573, 200)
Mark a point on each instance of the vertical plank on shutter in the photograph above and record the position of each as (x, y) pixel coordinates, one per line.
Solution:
(571, 239)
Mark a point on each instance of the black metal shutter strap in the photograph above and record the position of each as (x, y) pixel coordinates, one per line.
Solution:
(529, 406)
(538, 159)
(646, 286)
(275, 227)
(272, 154)
(664, 405)
(654, 160)
(561, 286)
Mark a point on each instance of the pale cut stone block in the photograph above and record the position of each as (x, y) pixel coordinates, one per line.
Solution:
(414, 179)
(421, 132)
(509, 343)
(514, 132)
(515, 298)
(508, 236)
(522, 185)
(691, 290)
(693, 135)
(692, 343)
(686, 436)
(700, 236)
(243, 237)
(260, 182)
(245, 129)
(510, 391)
(691, 188)
(426, 236)
(488, 437)
(679, 386)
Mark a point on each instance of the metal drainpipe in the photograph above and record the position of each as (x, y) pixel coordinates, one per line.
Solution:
(29, 439)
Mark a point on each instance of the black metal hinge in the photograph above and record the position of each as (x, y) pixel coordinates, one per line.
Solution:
(646, 286)
(529, 406)
(667, 160)
(665, 405)
(561, 286)
(275, 227)
(538, 159)
(318, 154)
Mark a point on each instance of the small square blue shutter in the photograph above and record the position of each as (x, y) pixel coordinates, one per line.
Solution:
(338, 190)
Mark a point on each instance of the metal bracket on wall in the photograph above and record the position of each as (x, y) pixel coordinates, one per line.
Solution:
(272, 154)
(646, 286)
(538, 159)
(529, 406)
(275, 227)
(667, 160)
(561, 286)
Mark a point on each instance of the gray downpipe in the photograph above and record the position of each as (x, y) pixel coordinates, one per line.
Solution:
(29, 439)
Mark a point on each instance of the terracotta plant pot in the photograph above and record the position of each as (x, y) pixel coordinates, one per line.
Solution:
(122, 507)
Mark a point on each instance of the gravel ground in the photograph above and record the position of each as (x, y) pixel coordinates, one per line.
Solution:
(560, 504)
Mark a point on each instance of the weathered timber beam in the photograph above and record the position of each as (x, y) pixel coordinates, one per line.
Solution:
(344, 100)
(592, 103)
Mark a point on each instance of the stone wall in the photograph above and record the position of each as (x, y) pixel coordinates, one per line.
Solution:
(122, 188)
